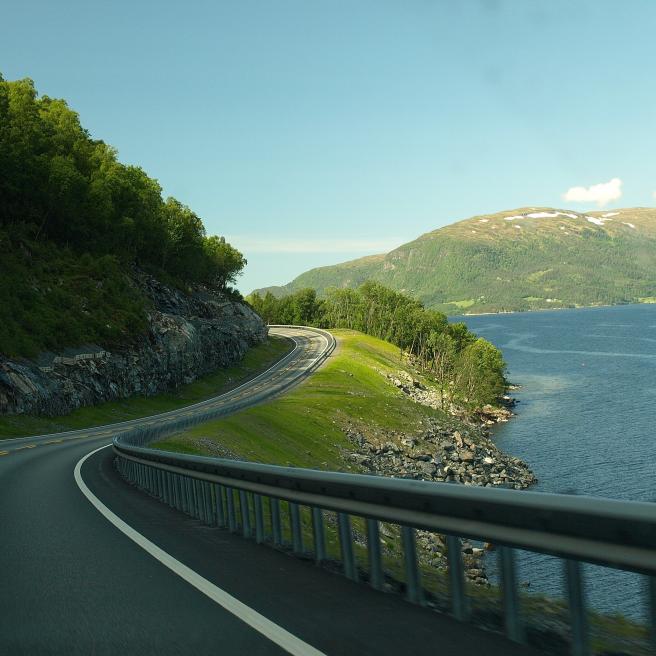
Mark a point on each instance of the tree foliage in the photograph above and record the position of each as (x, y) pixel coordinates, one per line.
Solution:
(58, 184)
(467, 368)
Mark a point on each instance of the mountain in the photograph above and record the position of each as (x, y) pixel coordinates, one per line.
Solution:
(524, 259)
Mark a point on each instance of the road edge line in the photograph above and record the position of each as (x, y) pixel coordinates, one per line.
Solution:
(281, 637)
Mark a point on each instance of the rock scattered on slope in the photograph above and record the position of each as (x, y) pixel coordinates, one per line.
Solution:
(454, 448)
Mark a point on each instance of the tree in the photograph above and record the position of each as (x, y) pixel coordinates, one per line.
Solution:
(225, 262)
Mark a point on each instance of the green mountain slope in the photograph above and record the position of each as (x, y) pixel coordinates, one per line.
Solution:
(523, 259)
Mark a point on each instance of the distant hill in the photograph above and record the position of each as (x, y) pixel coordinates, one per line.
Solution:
(524, 259)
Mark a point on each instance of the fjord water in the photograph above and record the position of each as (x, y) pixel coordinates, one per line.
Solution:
(585, 419)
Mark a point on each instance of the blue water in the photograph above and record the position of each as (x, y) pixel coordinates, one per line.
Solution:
(586, 418)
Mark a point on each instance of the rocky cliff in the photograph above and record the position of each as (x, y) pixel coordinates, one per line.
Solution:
(188, 335)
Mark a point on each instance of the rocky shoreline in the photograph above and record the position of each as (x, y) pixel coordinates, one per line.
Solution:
(457, 449)
(188, 335)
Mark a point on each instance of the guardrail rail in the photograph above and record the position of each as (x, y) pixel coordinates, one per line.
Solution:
(233, 495)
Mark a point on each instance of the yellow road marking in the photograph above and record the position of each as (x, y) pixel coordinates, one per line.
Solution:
(53, 441)
(4, 453)
(27, 446)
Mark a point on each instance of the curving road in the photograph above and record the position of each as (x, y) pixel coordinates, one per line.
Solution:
(71, 582)
(309, 347)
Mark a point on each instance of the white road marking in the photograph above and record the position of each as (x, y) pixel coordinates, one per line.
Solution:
(283, 638)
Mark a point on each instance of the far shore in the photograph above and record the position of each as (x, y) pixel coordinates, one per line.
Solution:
(550, 309)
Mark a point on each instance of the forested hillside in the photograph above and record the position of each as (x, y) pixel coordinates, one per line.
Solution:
(74, 222)
(523, 259)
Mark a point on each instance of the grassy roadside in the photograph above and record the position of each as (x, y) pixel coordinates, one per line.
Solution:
(257, 359)
(304, 427)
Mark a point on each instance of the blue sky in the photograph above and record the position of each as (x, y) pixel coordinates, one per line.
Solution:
(313, 131)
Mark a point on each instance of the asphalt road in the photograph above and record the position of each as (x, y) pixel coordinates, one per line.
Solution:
(72, 583)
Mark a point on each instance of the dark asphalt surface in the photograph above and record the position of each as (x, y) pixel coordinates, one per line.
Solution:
(72, 583)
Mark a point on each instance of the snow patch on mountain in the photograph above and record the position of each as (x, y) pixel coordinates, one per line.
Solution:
(540, 215)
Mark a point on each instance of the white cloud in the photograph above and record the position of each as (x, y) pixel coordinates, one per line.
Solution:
(654, 194)
(601, 194)
(249, 244)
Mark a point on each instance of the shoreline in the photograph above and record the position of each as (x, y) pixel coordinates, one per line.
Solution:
(549, 309)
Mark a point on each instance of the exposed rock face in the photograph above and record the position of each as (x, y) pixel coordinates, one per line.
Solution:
(188, 336)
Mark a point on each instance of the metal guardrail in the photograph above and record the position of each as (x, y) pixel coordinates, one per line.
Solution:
(233, 494)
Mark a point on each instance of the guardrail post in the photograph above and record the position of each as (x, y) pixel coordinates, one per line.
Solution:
(220, 513)
(162, 486)
(230, 503)
(373, 549)
(190, 497)
(205, 502)
(456, 578)
(346, 544)
(209, 506)
(295, 522)
(259, 519)
(166, 478)
(198, 506)
(276, 528)
(577, 609)
(651, 605)
(165, 485)
(318, 535)
(177, 492)
(245, 514)
(198, 501)
(511, 608)
(412, 578)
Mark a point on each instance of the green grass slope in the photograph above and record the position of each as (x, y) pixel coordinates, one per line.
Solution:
(305, 427)
(523, 259)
